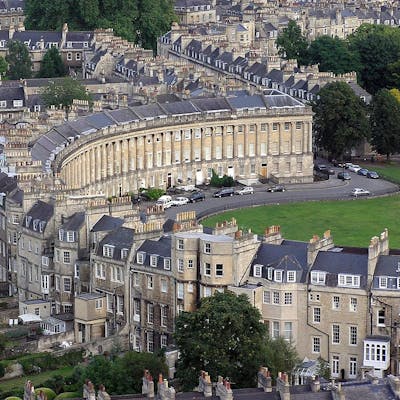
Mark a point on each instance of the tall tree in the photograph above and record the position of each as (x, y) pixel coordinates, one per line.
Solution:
(223, 337)
(332, 54)
(52, 65)
(292, 44)
(377, 47)
(340, 120)
(3, 66)
(64, 92)
(385, 123)
(19, 60)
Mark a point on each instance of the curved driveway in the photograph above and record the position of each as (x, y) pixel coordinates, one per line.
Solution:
(326, 190)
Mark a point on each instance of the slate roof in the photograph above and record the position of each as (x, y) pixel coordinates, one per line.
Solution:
(42, 213)
(7, 183)
(288, 256)
(388, 266)
(107, 223)
(161, 248)
(120, 238)
(74, 222)
(49, 145)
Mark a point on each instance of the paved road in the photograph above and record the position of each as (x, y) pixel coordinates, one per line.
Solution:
(326, 190)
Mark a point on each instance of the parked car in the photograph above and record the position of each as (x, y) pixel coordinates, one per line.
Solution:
(324, 169)
(372, 175)
(165, 201)
(224, 192)
(276, 188)
(363, 172)
(245, 190)
(180, 201)
(360, 192)
(354, 168)
(348, 165)
(344, 176)
(340, 164)
(197, 196)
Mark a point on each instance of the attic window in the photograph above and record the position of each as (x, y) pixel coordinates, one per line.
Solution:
(291, 276)
(345, 280)
(167, 264)
(2, 43)
(70, 236)
(140, 258)
(153, 261)
(124, 253)
(278, 275)
(28, 221)
(35, 224)
(3, 103)
(69, 44)
(61, 234)
(108, 251)
(42, 224)
(18, 103)
(85, 44)
(257, 270)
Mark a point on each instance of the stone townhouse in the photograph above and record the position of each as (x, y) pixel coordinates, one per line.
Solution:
(153, 296)
(195, 11)
(7, 185)
(110, 275)
(35, 240)
(71, 262)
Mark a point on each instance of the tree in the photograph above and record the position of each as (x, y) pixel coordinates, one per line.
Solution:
(340, 120)
(63, 92)
(332, 54)
(377, 46)
(52, 65)
(281, 356)
(292, 44)
(113, 372)
(3, 66)
(385, 123)
(394, 74)
(135, 20)
(223, 337)
(19, 60)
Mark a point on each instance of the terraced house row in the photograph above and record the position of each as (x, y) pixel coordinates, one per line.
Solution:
(162, 144)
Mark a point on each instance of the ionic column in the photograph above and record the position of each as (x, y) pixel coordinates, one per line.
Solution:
(132, 154)
(125, 156)
(293, 138)
(99, 165)
(93, 166)
(104, 161)
(110, 153)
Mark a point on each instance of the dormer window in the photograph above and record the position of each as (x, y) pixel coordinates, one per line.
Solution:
(124, 253)
(291, 276)
(278, 275)
(18, 103)
(61, 235)
(153, 261)
(270, 273)
(42, 225)
(167, 264)
(383, 282)
(70, 236)
(345, 280)
(85, 44)
(257, 270)
(318, 277)
(35, 224)
(140, 258)
(69, 44)
(108, 251)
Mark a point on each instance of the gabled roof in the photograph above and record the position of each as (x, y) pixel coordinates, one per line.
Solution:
(120, 238)
(74, 222)
(107, 223)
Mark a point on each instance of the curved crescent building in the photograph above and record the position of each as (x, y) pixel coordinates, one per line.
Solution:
(167, 144)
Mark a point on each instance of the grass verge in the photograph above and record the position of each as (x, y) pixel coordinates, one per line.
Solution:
(352, 222)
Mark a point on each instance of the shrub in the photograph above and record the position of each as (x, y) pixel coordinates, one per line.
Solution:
(13, 398)
(155, 193)
(224, 181)
(68, 395)
(56, 383)
(50, 394)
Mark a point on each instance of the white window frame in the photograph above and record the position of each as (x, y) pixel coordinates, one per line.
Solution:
(316, 315)
(318, 277)
(346, 280)
(278, 275)
(291, 276)
(266, 297)
(316, 345)
(383, 282)
(153, 260)
(108, 251)
(140, 256)
(257, 270)
(167, 264)
(353, 304)
(353, 335)
(335, 334)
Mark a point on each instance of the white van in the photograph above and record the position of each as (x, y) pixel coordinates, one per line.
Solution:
(165, 201)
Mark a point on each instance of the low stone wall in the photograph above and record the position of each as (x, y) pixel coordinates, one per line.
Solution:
(47, 341)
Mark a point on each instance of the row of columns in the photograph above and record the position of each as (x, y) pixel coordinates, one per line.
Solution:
(157, 150)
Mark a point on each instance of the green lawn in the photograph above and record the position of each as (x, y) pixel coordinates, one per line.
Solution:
(352, 222)
(37, 379)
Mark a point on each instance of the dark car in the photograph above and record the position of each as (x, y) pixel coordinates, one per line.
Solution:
(276, 188)
(324, 169)
(372, 175)
(224, 192)
(363, 172)
(337, 163)
(196, 196)
(344, 176)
